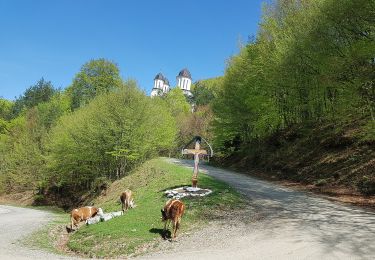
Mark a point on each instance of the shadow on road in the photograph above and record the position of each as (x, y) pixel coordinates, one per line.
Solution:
(337, 227)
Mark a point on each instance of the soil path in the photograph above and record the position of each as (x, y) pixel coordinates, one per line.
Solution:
(16, 224)
(293, 225)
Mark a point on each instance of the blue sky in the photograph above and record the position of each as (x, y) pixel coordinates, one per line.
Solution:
(52, 39)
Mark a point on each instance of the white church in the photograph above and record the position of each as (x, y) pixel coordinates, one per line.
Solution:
(161, 84)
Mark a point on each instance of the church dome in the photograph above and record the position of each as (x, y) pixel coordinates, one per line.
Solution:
(184, 73)
(159, 76)
(166, 81)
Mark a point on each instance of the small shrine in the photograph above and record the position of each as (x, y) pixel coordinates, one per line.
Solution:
(198, 153)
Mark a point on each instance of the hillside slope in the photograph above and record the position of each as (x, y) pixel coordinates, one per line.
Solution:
(329, 158)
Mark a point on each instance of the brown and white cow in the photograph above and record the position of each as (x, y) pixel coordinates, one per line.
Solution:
(127, 200)
(173, 211)
(82, 214)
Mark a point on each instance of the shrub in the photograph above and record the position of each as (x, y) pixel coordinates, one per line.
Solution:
(366, 185)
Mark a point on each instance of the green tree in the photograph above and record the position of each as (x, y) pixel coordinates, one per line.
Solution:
(108, 137)
(6, 109)
(50, 112)
(95, 77)
(204, 90)
(21, 157)
(5, 114)
(179, 107)
(41, 92)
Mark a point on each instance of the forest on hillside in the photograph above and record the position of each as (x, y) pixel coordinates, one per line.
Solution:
(304, 85)
(299, 99)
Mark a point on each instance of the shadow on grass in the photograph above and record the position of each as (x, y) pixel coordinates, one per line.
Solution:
(164, 234)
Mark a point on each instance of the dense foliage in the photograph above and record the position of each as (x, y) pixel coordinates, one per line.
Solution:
(311, 61)
(95, 77)
(298, 100)
(108, 137)
(42, 91)
(78, 139)
(204, 91)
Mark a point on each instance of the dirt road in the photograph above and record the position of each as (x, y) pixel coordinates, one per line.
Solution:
(16, 223)
(295, 225)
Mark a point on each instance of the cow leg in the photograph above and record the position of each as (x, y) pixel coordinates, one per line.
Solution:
(170, 221)
(174, 229)
(165, 225)
(74, 223)
(177, 226)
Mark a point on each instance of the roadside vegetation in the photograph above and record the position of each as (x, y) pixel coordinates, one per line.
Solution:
(299, 98)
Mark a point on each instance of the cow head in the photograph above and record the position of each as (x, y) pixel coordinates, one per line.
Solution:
(69, 229)
(163, 215)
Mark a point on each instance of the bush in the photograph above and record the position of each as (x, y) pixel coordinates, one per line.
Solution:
(321, 182)
(39, 200)
(366, 186)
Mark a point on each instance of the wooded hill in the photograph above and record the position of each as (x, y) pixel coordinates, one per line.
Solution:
(300, 97)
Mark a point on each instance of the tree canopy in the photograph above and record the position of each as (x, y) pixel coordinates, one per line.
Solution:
(311, 61)
(41, 92)
(95, 77)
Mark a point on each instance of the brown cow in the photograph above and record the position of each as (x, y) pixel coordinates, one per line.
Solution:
(82, 214)
(127, 200)
(173, 211)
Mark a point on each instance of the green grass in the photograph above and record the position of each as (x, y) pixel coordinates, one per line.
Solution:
(142, 225)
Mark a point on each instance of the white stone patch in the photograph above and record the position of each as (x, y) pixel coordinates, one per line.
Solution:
(93, 220)
(186, 191)
(103, 217)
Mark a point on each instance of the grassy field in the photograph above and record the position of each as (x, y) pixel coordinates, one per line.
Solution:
(140, 228)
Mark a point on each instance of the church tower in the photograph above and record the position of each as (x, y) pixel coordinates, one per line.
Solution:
(184, 81)
(159, 83)
(166, 86)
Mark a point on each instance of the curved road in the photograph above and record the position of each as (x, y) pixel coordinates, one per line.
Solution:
(297, 225)
(16, 223)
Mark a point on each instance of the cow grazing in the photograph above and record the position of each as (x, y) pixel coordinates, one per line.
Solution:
(82, 214)
(127, 200)
(173, 211)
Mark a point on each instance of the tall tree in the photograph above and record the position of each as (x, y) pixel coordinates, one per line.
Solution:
(41, 92)
(95, 77)
(108, 137)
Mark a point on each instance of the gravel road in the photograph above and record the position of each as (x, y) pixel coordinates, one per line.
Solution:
(294, 225)
(16, 223)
